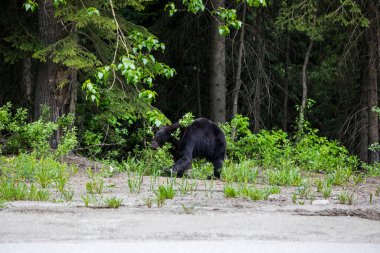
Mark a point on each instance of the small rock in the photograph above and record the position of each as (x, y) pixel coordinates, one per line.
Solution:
(320, 202)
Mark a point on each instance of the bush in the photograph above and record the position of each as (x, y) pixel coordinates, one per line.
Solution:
(27, 177)
(316, 153)
(245, 172)
(149, 161)
(18, 136)
(275, 149)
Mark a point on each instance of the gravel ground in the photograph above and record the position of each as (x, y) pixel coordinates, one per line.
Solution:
(203, 220)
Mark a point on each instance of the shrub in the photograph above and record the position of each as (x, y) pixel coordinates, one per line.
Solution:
(287, 177)
(20, 136)
(275, 149)
(26, 177)
(243, 172)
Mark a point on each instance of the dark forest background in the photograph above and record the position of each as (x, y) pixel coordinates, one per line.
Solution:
(290, 62)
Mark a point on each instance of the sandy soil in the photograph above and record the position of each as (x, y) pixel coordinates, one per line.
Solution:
(202, 215)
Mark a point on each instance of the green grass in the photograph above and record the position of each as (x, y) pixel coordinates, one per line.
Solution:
(113, 202)
(253, 193)
(95, 186)
(187, 185)
(346, 198)
(340, 176)
(326, 191)
(134, 180)
(244, 172)
(284, 177)
(26, 177)
(148, 202)
(377, 192)
(230, 192)
(3, 203)
(166, 191)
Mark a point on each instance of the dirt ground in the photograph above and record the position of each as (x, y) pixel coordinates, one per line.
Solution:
(203, 215)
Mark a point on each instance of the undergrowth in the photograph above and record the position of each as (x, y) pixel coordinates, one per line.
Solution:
(31, 170)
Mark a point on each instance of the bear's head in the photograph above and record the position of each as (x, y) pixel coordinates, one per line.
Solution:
(161, 137)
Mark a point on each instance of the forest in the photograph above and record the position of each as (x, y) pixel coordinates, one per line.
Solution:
(292, 83)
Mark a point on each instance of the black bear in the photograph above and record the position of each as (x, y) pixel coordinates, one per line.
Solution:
(202, 139)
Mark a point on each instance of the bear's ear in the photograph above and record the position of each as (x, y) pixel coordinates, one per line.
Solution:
(173, 127)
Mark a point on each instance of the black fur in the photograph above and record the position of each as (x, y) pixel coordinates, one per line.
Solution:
(202, 139)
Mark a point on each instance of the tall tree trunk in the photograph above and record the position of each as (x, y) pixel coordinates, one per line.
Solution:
(286, 86)
(369, 124)
(27, 81)
(239, 63)
(56, 85)
(199, 99)
(304, 86)
(373, 120)
(217, 70)
(260, 74)
(363, 133)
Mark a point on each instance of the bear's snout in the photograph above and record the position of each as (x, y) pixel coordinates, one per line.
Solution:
(155, 145)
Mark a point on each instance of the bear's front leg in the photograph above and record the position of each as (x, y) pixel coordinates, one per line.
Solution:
(181, 165)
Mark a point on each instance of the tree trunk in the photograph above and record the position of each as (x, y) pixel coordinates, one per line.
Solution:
(27, 80)
(217, 70)
(363, 133)
(56, 85)
(304, 86)
(369, 124)
(260, 74)
(199, 98)
(239, 63)
(373, 120)
(286, 86)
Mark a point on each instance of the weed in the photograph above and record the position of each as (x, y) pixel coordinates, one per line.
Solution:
(3, 203)
(274, 190)
(160, 200)
(135, 180)
(370, 199)
(201, 169)
(377, 193)
(187, 185)
(359, 178)
(319, 185)
(230, 191)
(373, 170)
(96, 183)
(188, 210)
(113, 202)
(38, 194)
(294, 197)
(166, 191)
(275, 148)
(346, 198)
(95, 186)
(302, 191)
(339, 177)
(243, 172)
(87, 199)
(148, 202)
(301, 202)
(286, 177)
(255, 193)
(68, 195)
(326, 191)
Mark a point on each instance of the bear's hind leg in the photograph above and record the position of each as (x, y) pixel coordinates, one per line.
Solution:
(218, 164)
